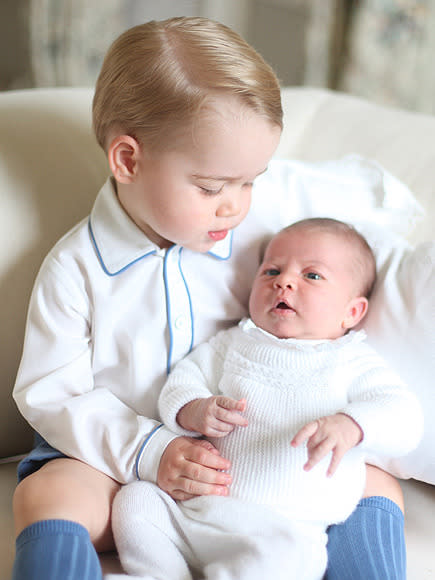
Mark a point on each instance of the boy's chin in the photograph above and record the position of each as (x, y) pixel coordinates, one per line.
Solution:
(201, 247)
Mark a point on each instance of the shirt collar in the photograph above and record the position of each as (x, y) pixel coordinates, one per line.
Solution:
(118, 241)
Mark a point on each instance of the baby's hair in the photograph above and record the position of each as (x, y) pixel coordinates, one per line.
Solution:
(364, 261)
(157, 76)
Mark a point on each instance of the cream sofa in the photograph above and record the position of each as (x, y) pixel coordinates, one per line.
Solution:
(50, 171)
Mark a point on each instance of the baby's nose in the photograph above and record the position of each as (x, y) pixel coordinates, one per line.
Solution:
(284, 282)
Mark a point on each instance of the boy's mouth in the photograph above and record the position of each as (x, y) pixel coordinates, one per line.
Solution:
(218, 235)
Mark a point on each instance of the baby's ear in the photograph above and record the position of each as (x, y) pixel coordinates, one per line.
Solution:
(355, 311)
(123, 155)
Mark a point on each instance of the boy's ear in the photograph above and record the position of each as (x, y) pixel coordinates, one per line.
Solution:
(355, 311)
(123, 156)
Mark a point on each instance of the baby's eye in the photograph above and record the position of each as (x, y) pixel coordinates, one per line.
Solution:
(272, 272)
(313, 276)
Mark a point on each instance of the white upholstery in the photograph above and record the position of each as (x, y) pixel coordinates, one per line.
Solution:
(51, 170)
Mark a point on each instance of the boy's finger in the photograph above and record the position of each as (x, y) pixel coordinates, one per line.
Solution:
(199, 452)
(188, 488)
(202, 474)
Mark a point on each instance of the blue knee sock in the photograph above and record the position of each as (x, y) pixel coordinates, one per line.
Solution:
(369, 545)
(54, 550)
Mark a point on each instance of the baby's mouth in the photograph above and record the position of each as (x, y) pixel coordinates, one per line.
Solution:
(283, 305)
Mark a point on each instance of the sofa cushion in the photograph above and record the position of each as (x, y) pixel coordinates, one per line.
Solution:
(401, 326)
(50, 170)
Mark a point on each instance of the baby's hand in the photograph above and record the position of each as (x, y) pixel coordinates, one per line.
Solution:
(213, 416)
(337, 433)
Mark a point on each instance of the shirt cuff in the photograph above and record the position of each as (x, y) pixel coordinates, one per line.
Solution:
(150, 454)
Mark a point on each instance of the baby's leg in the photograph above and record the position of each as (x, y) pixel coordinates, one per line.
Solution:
(147, 526)
(60, 511)
(240, 541)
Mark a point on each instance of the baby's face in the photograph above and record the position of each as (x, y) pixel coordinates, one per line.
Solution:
(305, 286)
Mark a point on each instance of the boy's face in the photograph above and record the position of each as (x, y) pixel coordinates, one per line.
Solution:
(195, 192)
(305, 287)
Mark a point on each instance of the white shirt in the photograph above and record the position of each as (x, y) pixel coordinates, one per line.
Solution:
(110, 314)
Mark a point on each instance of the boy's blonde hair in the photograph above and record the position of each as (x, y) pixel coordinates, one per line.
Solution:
(363, 261)
(156, 77)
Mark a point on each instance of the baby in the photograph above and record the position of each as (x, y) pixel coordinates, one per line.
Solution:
(294, 399)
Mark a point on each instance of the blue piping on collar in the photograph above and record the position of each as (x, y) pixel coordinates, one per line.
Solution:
(100, 259)
(106, 271)
(230, 249)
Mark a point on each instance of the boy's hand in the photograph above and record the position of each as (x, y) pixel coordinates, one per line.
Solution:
(190, 467)
(337, 433)
(213, 416)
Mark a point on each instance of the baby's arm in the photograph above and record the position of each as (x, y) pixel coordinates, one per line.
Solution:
(335, 433)
(194, 377)
(212, 416)
(381, 414)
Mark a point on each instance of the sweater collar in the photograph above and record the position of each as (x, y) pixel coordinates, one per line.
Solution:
(352, 337)
(118, 241)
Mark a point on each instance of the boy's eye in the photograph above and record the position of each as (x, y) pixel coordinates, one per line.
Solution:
(313, 276)
(207, 191)
(272, 272)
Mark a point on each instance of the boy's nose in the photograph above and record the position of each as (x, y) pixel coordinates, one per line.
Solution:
(229, 208)
(234, 200)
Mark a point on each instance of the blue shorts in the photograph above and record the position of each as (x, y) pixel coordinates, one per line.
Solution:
(41, 454)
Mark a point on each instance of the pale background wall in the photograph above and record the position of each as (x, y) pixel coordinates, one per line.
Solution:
(380, 49)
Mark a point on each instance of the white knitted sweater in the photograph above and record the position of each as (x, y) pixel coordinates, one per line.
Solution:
(287, 383)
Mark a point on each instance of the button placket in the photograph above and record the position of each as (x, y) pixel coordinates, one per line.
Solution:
(178, 306)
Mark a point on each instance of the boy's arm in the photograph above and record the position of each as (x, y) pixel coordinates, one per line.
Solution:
(55, 391)
(192, 467)
(55, 387)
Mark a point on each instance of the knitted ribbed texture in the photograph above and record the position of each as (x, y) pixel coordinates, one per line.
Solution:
(354, 554)
(288, 383)
(54, 550)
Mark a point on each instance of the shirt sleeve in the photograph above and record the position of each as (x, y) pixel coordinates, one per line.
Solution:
(383, 406)
(55, 389)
